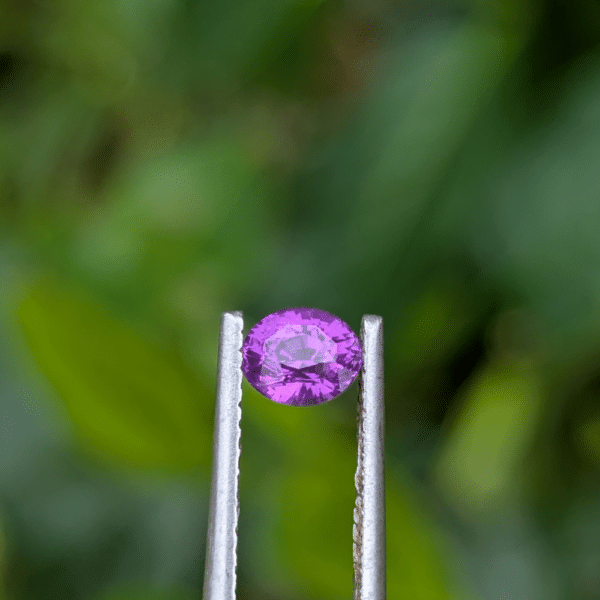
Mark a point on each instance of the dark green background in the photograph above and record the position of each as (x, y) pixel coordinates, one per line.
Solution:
(437, 163)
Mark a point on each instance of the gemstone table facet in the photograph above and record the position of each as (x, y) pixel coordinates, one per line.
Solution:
(301, 356)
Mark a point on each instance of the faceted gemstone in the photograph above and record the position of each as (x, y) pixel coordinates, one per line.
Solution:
(301, 356)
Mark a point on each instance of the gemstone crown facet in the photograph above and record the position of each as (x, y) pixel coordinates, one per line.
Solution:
(301, 356)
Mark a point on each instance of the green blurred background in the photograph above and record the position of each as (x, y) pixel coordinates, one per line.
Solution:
(437, 163)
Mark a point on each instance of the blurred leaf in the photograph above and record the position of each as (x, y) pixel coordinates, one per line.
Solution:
(63, 126)
(587, 439)
(419, 560)
(201, 204)
(3, 592)
(132, 402)
(236, 38)
(483, 450)
(523, 198)
(307, 489)
(434, 327)
(437, 99)
(145, 592)
(379, 184)
(88, 40)
(316, 533)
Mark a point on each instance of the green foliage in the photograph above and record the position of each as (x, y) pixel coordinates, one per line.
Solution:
(201, 202)
(130, 400)
(433, 328)
(144, 592)
(434, 163)
(507, 200)
(483, 453)
(3, 595)
(306, 538)
(418, 556)
(234, 40)
(587, 439)
(317, 541)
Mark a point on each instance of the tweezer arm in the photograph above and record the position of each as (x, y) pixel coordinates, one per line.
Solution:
(369, 514)
(223, 511)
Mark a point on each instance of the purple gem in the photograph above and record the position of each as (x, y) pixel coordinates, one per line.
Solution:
(301, 356)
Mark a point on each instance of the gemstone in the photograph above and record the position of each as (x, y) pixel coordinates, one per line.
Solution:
(301, 356)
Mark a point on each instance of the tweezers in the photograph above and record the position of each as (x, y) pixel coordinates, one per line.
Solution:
(369, 550)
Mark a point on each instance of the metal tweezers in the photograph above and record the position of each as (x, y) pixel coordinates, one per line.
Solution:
(369, 514)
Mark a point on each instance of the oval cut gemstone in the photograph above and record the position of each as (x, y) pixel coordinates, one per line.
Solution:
(301, 356)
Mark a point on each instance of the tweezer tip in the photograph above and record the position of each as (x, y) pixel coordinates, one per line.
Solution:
(373, 320)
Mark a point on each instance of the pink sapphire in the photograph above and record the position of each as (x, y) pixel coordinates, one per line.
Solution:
(301, 356)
